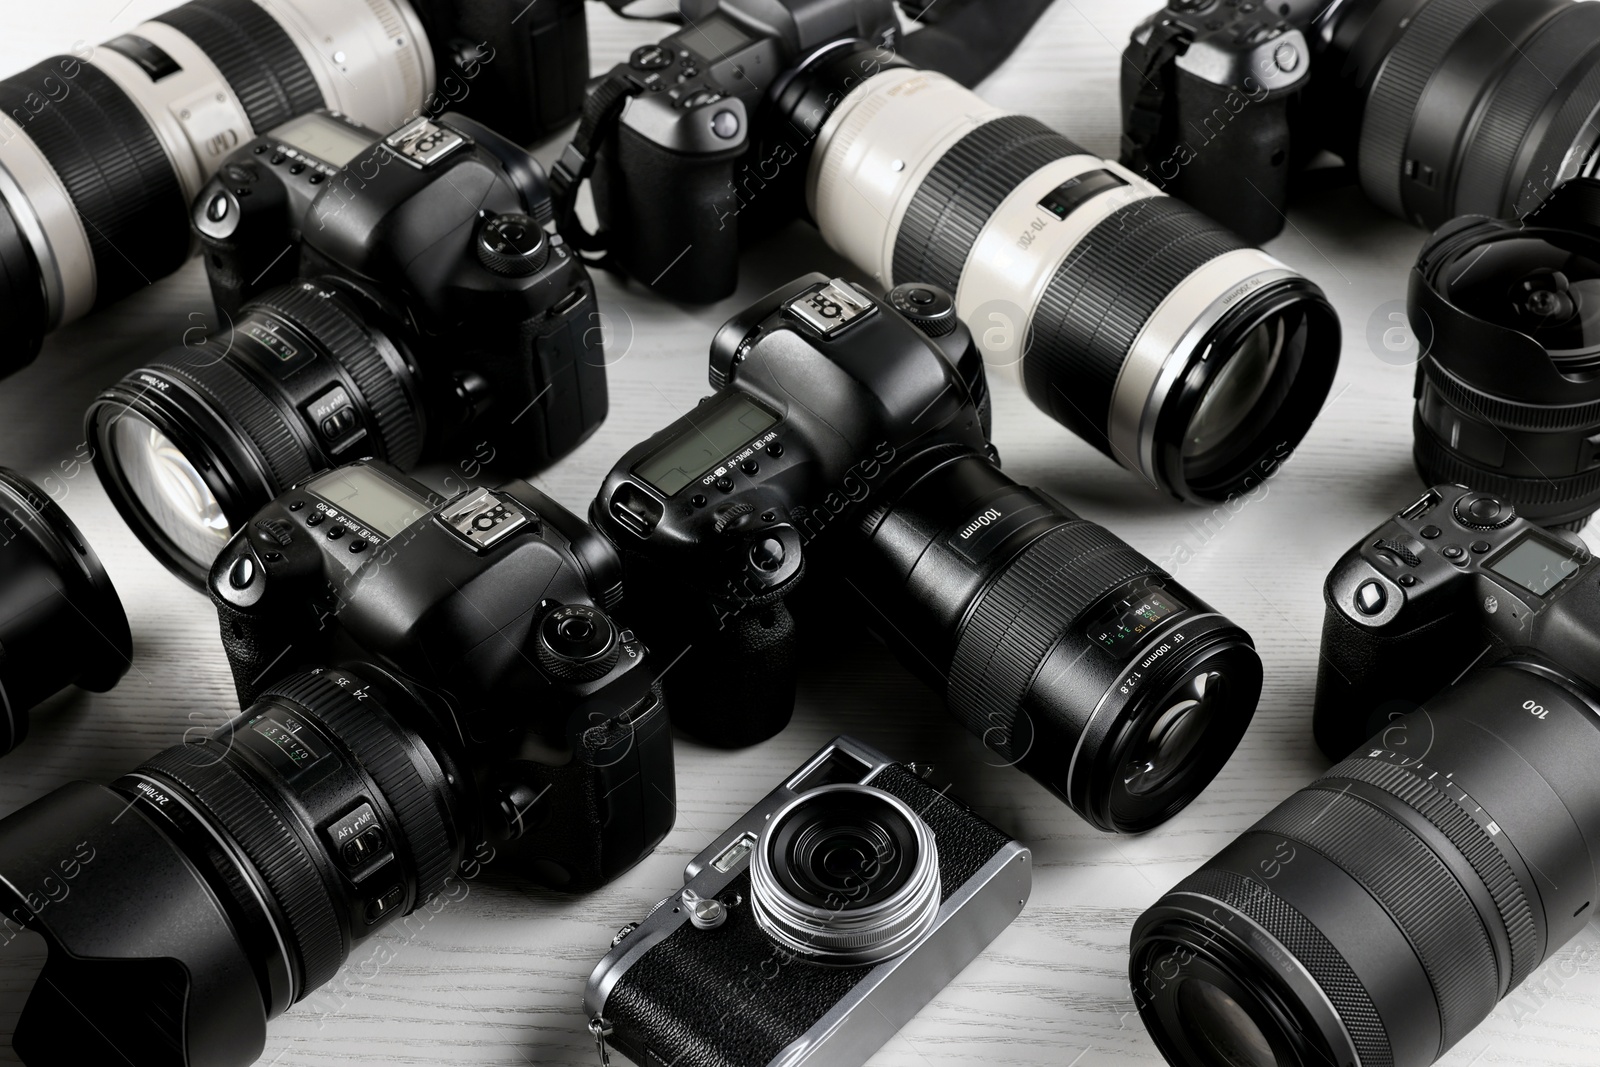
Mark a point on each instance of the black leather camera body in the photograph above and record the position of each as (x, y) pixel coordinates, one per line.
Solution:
(1456, 580)
(498, 601)
(685, 173)
(419, 260)
(815, 926)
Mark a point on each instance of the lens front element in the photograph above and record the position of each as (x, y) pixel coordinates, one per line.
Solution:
(170, 490)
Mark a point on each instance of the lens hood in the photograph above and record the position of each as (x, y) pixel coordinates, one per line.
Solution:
(144, 966)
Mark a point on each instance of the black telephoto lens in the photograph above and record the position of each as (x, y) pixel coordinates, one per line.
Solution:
(1508, 398)
(1069, 653)
(1379, 914)
(61, 622)
(227, 878)
(190, 445)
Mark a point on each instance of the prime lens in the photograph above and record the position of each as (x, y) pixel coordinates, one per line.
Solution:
(1070, 654)
(1146, 328)
(61, 622)
(101, 152)
(227, 878)
(1380, 913)
(192, 445)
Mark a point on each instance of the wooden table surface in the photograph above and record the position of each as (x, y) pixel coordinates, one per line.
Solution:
(498, 977)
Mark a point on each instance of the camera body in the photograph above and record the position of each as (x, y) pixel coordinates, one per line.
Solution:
(685, 174)
(517, 68)
(710, 980)
(432, 240)
(1209, 95)
(821, 387)
(497, 600)
(1453, 581)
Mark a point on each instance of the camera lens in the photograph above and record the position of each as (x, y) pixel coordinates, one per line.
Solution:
(247, 862)
(192, 445)
(1147, 329)
(1465, 109)
(1508, 400)
(845, 874)
(102, 152)
(1379, 914)
(1072, 656)
(61, 622)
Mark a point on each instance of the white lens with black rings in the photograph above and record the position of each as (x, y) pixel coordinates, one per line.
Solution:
(102, 152)
(846, 875)
(1137, 322)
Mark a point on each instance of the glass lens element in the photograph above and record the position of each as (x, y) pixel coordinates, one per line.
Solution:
(1176, 732)
(1237, 389)
(1547, 290)
(170, 490)
(1220, 1029)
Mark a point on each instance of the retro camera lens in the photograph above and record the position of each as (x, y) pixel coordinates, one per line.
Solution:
(101, 155)
(1508, 400)
(226, 879)
(845, 874)
(1380, 913)
(1072, 656)
(61, 622)
(192, 445)
(1147, 329)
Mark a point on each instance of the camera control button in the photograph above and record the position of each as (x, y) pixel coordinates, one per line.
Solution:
(725, 484)
(750, 466)
(1453, 553)
(650, 57)
(358, 545)
(1480, 547)
(335, 533)
(1370, 597)
(1430, 532)
(277, 158)
(242, 573)
(775, 449)
(1480, 511)
(218, 209)
(726, 125)
(513, 245)
(1407, 580)
(314, 519)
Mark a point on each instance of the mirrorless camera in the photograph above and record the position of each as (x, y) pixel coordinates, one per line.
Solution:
(845, 443)
(1379, 914)
(497, 712)
(387, 296)
(815, 927)
(1439, 107)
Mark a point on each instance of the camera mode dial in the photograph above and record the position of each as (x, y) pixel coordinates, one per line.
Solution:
(1481, 511)
(577, 643)
(513, 245)
(930, 309)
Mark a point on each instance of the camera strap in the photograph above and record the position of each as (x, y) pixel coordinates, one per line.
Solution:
(1147, 113)
(602, 110)
(967, 40)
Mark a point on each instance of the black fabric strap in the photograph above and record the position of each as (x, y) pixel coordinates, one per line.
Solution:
(602, 110)
(1142, 125)
(967, 40)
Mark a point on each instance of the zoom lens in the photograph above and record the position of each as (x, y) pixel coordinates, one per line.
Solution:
(227, 878)
(1466, 108)
(192, 445)
(846, 874)
(61, 622)
(1508, 400)
(1071, 655)
(1133, 320)
(1380, 913)
(101, 153)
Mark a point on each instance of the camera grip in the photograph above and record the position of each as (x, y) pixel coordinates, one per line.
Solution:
(750, 652)
(253, 644)
(1232, 159)
(672, 218)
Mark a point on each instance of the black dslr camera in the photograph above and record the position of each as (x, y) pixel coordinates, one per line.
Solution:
(846, 446)
(816, 926)
(394, 297)
(681, 164)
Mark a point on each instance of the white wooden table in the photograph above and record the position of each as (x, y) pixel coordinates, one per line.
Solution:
(498, 978)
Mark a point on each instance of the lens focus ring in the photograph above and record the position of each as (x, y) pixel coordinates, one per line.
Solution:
(264, 68)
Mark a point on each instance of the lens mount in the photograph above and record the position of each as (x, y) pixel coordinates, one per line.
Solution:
(845, 875)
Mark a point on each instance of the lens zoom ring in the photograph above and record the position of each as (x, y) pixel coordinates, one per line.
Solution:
(350, 342)
(380, 746)
(1509, 414)
(264, 68)
(1472, 841)
(1438, 465)
(1021, 615)
(1413, 885)
(1101, 300)
(1308, 945)
(113, 167)
(239, 401)
(1570, 128)
(237, 806)
(962, 192)
(1396, 91)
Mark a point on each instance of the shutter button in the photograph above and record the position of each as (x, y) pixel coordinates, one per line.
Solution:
(1370, 597)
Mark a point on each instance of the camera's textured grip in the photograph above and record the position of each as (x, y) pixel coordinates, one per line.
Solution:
(253, 644)
(1021, 615)
(1239, 174)
(751, 655)
(729, 997)
(263, 66)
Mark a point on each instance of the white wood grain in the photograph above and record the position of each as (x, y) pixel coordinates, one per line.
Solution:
(497, 978)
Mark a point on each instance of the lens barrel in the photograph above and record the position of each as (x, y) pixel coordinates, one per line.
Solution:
(1379, 914)
(190, 446)
(61, 622)
(234, 872)
(1071, 655)
(1140, 324)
